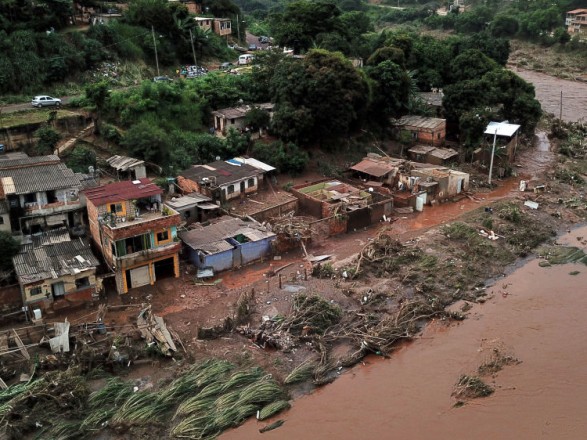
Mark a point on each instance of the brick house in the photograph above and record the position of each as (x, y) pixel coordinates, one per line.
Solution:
(55, 271)
(221, 180)
(222, 26)
(423, 129)
(135, 232)
(234, 117)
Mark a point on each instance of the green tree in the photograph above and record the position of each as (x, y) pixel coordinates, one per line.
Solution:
(390, 90)
(286, 157)
(504, 25)
(257, 118)
(81, 158)
(148, 142)
(302, 21)
(97, 94)
(47, 142)
(471, 64)
(10, 247)
(322, 96)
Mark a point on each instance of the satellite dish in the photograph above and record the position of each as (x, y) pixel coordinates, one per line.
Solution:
(91, 169)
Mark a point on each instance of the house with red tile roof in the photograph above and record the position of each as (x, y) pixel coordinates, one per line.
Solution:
(135, 232)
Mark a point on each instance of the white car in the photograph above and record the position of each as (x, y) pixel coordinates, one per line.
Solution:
(45, 101)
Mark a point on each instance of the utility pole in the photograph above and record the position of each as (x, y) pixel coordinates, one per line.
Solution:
(238, 29)
(193, 50)
(492, 154)
(560, 115)
(155, 44)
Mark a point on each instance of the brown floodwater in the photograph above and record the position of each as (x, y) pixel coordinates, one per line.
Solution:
(535, 314)
(548, 92)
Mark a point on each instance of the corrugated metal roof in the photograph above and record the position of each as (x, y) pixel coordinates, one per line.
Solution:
(502, 129)
(124, 163)
(40, 177)
(119, 191)
(53, 236)
(222, 171)
(53, 261)
(189, 200)
(443, 153)
(211, 238)
(421, 149)
(421, 122)
(373, 167)
(255, 163)
(19, 161)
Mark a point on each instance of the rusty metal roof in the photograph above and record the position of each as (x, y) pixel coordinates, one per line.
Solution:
(421, 122)
(223, 172)
(119, 191)
(372, 167)
(241, 111)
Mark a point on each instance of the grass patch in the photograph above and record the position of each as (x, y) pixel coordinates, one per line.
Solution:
(33, 116)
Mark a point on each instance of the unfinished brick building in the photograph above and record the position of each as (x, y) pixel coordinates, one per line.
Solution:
(135, 232)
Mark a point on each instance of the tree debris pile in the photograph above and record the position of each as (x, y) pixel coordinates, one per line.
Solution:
(203, 401)
(497, 361)
(471, 387)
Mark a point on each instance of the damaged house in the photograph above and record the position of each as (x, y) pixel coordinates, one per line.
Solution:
(221, 180)
(227, 243)
(342, 206)
(135, 232)
(54, 271)
(423, 129)
(127, 168)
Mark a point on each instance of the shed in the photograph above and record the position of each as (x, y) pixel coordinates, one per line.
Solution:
(227, 243)
(129, 167)
(433, 155)
(194, 207)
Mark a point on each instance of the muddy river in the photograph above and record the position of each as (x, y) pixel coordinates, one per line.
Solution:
(535, 314)
(548, 92)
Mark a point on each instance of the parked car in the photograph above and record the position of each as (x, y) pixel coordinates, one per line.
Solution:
(246, 59)
(162, 79)
(226, 66)
(263, 39)
(45, 101)
(252, 47)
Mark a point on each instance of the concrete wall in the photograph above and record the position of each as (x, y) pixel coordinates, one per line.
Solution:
(276, 210)
(11, 137)
(5, 222)
(72, 293)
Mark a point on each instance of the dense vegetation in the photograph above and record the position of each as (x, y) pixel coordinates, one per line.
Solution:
(320, 99)
(37, 48)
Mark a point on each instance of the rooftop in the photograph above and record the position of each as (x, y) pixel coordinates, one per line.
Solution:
(212, 239)
(124, 163)
(432, 98)
(21, 160)
(254, 163)
(421, 122)
(442, 153)
(334, 191)
(241, 111)
(502, 129)
(190, 200)
(54, 260)
(223, 172)
(36, 174)
(374, 167)
(124, 190)
(50, 237)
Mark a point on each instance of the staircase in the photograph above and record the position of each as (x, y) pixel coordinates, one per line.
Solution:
(67, 144)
